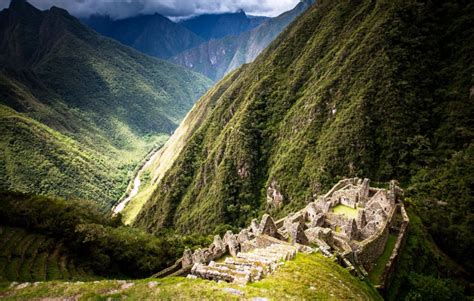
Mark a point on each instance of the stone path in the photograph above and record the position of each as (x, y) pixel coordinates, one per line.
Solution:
(246, 266)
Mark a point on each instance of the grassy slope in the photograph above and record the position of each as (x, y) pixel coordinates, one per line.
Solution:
(29, 257)
(307, 277)
(79, 131)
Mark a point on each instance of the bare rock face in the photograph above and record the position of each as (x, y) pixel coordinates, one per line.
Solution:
(274, 196)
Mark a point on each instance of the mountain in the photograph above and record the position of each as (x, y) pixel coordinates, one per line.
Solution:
(216, 58)
(381, 89)
(154, 34)
(217, 26)
(77, 110)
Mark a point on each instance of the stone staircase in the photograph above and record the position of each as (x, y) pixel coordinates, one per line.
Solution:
(246, 266)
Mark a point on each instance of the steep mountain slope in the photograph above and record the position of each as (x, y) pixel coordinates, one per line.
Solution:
(154, 35)
(217, 26)
(166, 156)
(78, 110)
(352, 88)
(216, 58)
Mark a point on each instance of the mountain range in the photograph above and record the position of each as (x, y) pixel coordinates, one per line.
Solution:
(211, 44)
(217, 58)
(78, 132)
(218, 26)
(330, 90)
(154, 34)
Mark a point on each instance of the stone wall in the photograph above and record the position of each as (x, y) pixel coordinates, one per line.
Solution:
(390, 267)
(369, 250)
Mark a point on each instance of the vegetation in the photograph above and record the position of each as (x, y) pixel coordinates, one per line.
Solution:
(346, 210)
(228, 52)
(307, 277)
(79, 132)
(379, 267)
(424, 272)
(154, 34)
(94, 241)
(30, 257)
(376, 89)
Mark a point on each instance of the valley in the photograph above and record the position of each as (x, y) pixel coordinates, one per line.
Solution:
(135, 184)
(247, 150)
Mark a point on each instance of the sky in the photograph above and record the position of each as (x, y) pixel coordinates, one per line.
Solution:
(176, 9)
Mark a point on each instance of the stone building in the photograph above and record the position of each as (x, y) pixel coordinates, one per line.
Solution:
(352, 221)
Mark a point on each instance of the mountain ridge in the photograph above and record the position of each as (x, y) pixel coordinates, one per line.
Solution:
(218, 26)
(114, 103)
(154, 35)
(217, 58)
(371, 90)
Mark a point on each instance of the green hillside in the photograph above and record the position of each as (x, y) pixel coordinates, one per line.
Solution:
(309, 277)
(92, 242)
(78, 110)
(30, 257)
(377, 89)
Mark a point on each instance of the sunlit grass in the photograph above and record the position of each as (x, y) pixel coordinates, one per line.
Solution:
(345, 210)
(307, 277)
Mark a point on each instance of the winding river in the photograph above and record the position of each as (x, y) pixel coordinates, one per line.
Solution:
(136, 184)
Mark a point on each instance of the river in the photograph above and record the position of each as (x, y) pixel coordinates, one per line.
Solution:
(136, 185)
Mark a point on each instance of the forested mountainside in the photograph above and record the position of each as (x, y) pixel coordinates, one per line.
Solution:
(77, 110)
(216, 58)
(154, 34)
(377, 89)
(94, 244)
(217, 26)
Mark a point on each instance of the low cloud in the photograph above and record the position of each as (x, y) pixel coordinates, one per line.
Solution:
(119, 9)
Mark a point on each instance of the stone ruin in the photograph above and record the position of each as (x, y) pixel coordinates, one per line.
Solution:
(355, 236)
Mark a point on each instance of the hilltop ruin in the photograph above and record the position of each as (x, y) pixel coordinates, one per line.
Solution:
(351, 223)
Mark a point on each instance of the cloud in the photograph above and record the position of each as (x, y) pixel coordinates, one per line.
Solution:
(119, 9)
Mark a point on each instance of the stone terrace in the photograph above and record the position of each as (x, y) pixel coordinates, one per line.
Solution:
(356, 239)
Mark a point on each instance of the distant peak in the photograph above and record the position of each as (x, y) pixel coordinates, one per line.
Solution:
(17, 4)
(21, 5)
(58, 10)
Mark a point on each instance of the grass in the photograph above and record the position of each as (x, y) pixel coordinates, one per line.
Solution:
(308, 277)
(346, 210)
(379, 267)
